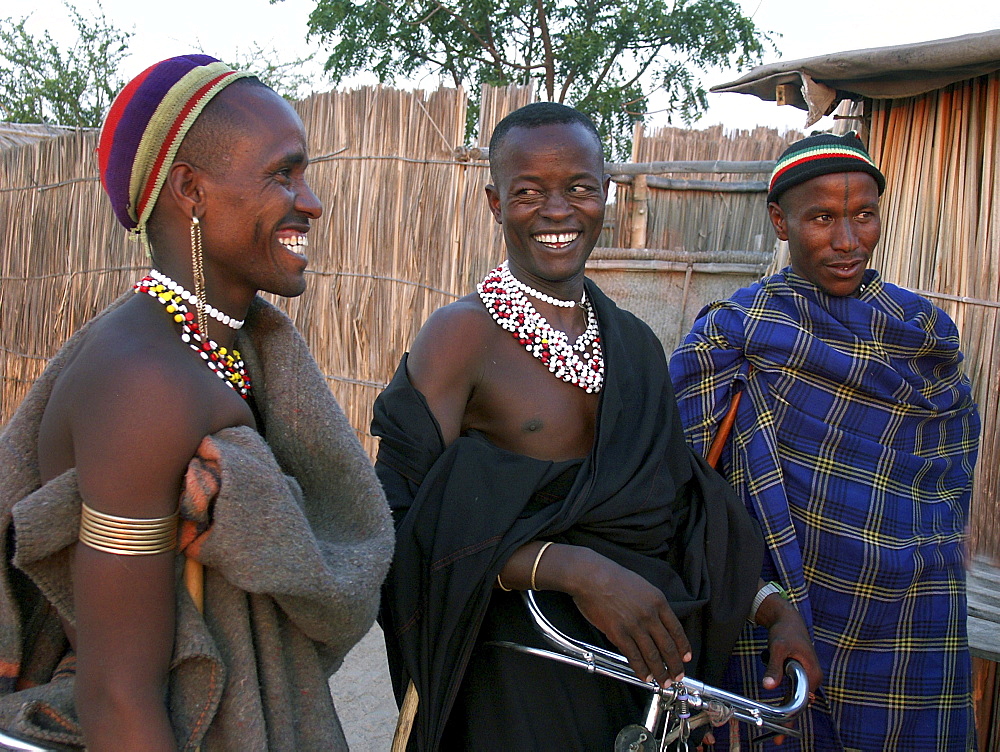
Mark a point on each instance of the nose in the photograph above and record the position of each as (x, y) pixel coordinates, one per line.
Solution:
(845, 236)
(306, 202)
(556, 206)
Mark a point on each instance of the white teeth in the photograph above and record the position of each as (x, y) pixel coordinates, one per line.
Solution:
(295, 241)
(557, 238)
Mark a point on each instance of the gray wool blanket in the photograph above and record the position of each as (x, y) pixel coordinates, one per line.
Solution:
(295, 538)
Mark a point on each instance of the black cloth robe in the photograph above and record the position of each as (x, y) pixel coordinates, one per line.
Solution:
(641, 497)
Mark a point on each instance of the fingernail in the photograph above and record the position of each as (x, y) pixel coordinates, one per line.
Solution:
(679, 677)
(649, 679)
(687, 658)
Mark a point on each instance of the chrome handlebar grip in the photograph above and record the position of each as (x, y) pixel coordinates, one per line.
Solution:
(21, 745)
(697, 694)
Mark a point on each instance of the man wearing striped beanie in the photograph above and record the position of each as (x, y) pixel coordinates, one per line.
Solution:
(197, 536)
(854, 445)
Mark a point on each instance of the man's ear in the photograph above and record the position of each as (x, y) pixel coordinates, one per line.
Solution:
(185, 188)
(493, 199)
(777, 215)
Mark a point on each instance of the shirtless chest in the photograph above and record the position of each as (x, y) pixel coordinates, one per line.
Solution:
(524, 408)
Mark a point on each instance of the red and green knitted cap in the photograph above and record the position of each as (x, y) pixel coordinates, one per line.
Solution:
(821, 154)
(145, 126)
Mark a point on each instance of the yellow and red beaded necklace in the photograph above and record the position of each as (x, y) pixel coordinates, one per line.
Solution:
(227, 365)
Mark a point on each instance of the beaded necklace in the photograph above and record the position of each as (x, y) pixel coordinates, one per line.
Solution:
(580, 363)
(227, 365)
(190, 297)
(510, 280)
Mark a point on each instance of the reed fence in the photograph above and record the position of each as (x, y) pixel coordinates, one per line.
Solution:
(406, 229)
(940, 153)
(719, 209)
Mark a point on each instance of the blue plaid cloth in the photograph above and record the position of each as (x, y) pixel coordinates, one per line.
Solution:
(854, 447)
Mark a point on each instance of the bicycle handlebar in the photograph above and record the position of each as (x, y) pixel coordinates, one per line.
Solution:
(697, 694)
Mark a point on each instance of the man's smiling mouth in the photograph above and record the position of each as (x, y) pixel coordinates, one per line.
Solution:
(556, 239)
(294, 243)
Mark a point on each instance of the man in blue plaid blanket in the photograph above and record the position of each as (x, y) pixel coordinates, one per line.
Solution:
(854, 445)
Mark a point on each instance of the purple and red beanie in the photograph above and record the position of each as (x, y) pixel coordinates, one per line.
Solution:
(821, 154)
(145, 126)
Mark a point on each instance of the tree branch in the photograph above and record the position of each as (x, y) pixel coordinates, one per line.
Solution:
(550, 63)
(643, 68)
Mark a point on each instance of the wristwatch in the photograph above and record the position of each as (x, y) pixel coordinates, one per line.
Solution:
(766, 590)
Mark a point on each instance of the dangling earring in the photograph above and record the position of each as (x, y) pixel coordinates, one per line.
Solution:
(197, 263)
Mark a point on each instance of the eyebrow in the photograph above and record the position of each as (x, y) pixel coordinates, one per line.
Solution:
(834, 206)
(292, 159)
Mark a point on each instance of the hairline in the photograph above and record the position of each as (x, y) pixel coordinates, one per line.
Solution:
(537, 115)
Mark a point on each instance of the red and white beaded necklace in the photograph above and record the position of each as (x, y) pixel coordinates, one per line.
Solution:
(226, 364)
(580, 363)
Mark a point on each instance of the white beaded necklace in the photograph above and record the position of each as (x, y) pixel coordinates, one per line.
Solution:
(191, 298)
(511, 281)
(580, 363)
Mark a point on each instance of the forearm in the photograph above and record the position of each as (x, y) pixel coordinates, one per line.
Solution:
(630, 611)
(123, 718)
(562, 567)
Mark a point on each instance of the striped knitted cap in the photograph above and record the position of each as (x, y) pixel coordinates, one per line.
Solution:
(821, 155)
(145, 126)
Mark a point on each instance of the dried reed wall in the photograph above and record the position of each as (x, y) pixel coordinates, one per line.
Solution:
(406, 229)
(705, 221)
(63, 258)
(940, 153)
(685, 238)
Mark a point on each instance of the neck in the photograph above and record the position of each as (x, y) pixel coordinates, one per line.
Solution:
(565, 291)
(217, 312)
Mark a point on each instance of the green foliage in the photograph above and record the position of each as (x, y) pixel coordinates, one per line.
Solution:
(604, 57)
(40, 83)
(290, 79)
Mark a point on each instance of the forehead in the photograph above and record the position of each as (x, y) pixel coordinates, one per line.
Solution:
(261, 122)
(836, 186)
(567, 147)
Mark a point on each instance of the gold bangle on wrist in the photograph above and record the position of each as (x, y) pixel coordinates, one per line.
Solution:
(500, 583)
(128, 536)
(538, 557)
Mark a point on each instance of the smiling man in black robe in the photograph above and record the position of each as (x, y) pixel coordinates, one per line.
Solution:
(530, 439)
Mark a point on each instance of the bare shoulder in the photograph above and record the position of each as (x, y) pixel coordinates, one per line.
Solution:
(128, 413)
(448, 358)
(452, 340)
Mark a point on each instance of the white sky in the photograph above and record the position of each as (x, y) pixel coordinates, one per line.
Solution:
(806, 28)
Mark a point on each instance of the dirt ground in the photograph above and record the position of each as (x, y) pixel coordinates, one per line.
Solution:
(362, 695)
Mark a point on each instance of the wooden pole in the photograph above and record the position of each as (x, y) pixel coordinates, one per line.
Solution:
(640, 212)
(194, 581)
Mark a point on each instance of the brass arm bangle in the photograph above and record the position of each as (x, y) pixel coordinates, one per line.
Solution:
(129, 536)
(500, 583)
(538, 558)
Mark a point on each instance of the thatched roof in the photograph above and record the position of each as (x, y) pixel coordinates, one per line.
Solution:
(818, 84)
(16, 134)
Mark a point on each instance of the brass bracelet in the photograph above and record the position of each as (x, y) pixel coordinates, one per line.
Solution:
(128, 536)
(538, 557)
(500, 583)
